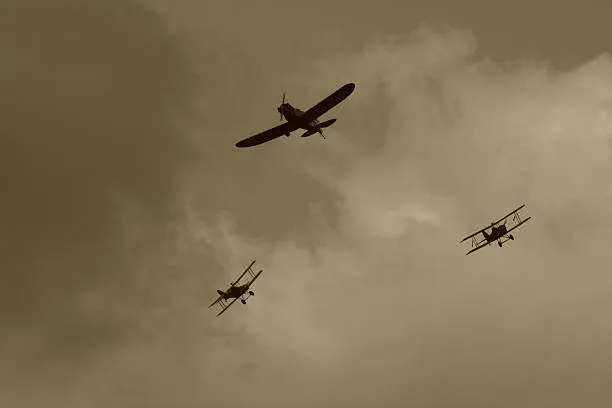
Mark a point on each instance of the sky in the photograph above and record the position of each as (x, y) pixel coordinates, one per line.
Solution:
(126, 204)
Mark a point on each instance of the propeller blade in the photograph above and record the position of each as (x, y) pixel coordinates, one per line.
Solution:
(280, 108)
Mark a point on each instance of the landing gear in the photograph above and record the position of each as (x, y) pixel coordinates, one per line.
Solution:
(511, 237)
(499, 243)
(243, 301)
(251, 293)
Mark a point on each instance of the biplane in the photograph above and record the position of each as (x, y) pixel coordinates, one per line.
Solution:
(499, 232)
(297, 119)
(236, 291)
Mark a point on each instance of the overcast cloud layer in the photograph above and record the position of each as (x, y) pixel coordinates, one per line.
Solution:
(126, 206)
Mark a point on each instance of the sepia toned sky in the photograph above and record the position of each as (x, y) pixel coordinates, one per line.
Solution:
(125, 204)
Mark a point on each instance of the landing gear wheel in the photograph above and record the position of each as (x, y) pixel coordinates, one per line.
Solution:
(251, 293)
(511, 237)
(243, 301)
(499, 243)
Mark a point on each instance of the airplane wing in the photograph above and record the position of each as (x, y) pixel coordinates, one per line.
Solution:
(480, 246)
(474, 234)
(509, 214)
(215, 302)
(517, 225)
(227, 307)
(267, 135)
(328, 103)
(255, 277)
(243, 273)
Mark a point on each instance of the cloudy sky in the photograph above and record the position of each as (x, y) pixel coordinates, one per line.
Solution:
(125, 204)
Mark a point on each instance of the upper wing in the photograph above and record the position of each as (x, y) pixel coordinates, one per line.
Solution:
(267, 135)
(328, 103)
(255, 277)
(474, 234)
(226, 307)
(517, 225)
(509, 214)
(243, 273)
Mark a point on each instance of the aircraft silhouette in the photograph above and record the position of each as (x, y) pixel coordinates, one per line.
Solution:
(499, 232)
(236, 291)
(298, 119)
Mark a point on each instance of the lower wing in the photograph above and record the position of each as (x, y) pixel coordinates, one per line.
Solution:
(216, 301)
(267, 135)
(226, 307)
(480, 246)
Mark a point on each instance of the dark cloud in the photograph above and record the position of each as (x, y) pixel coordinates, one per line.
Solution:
(366, 298)
(88, 119)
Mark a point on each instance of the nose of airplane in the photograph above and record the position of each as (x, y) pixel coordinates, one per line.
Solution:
(280, 110)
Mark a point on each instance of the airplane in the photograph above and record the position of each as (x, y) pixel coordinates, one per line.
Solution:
(498, 232)
(297, 119)
(236, 291)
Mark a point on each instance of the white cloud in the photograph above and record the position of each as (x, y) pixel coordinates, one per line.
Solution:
(387, 299)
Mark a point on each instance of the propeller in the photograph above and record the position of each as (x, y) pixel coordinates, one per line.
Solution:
(280, 108)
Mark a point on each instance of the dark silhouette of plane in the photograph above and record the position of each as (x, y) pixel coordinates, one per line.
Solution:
(237, 291)
(297, 119)
(498, 232)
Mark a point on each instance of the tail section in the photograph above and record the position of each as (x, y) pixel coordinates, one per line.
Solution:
(313, 131)
(327, 123)
(320, 126)
(219, 299)
(309, 133)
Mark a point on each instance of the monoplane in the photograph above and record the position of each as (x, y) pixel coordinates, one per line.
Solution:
(297, 119)
(499, 232)
(236, 291)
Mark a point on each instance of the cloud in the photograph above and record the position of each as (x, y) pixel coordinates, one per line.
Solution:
(91, 97)
(366, 298)
(382, 306)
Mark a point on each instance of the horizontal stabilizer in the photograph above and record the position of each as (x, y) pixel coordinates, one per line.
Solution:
(327, 123)
(309, 133)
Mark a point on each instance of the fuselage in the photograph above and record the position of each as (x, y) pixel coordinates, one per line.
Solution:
(235, 291)
(496, 233)
(292, 114)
